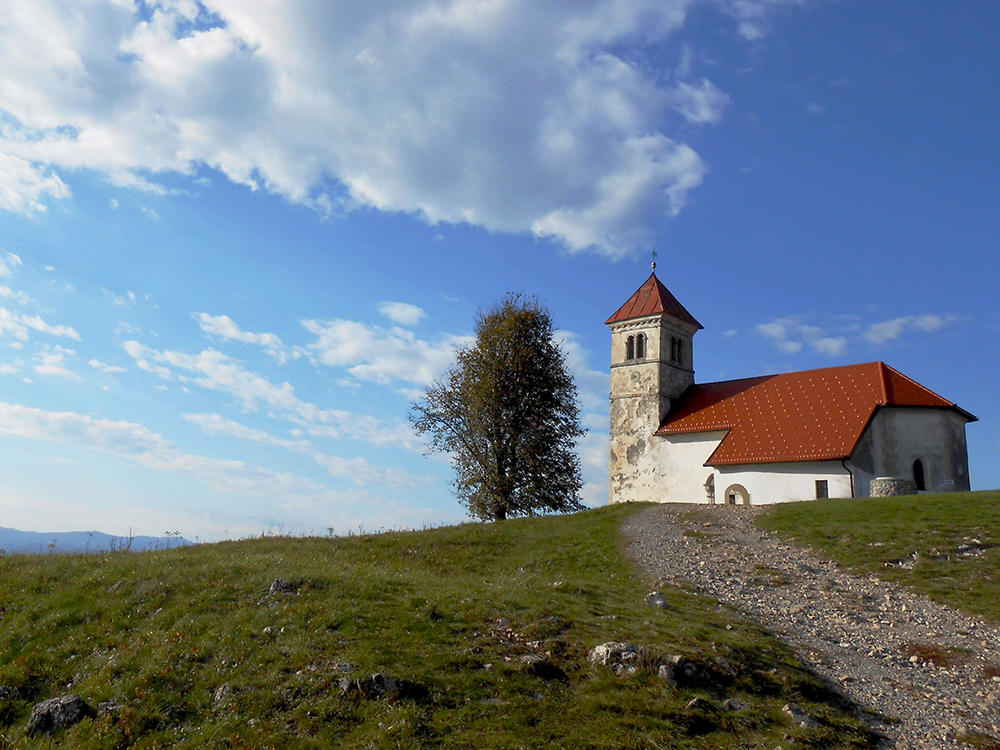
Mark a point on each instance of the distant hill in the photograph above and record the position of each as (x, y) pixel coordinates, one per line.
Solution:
(38, 542)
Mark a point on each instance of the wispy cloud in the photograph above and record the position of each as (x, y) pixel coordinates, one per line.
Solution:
(117, 299)
(379, 355)
(889, 330)
(402, 313)
(19, 297)
(215, 371)
(52, 361)
(8, 262)
(224, 327)
(102, 367)
(359, 470)
(791, 334)
(18, 325)
(137, 443)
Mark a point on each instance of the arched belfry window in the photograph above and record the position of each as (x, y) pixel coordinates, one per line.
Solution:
(680, 352)
(673, 348)
(918, 475)
(630, 347)
(640, 346)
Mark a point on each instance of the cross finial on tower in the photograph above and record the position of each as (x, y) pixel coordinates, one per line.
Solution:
(654, 258)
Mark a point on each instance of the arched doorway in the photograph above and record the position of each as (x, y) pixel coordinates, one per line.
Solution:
(736, 494)
(918, 475)
(710, 488)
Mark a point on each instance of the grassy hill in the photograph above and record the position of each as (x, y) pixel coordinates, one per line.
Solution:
(945, 546)
(195, 652)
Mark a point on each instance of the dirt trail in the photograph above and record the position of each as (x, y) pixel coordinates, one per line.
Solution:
(934, 672)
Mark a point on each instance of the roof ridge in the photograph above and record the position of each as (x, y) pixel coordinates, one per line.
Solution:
(910, 380)
(883, 381)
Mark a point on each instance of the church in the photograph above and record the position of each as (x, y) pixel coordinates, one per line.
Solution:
(769, 439)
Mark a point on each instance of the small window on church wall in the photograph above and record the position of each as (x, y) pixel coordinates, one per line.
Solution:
(918, 475)
(640, 346)
(680, 352)
(673, 349)
(822, 488)
(630, 348)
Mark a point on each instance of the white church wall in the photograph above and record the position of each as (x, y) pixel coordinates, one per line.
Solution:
(783, 483)
(680, 463)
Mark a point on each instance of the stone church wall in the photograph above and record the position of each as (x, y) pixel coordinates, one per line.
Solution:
(898, 436)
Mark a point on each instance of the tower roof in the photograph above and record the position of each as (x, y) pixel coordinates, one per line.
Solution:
(816, 415)
(652, 298)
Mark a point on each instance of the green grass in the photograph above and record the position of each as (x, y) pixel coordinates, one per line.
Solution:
(160, 632)
(874, 534)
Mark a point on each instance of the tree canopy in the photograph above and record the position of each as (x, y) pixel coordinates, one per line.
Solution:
(507, 414)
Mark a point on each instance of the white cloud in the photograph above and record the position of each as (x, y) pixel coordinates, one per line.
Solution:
(17, 325)
(791, 334)
(215, 371)
(379, 355)
(815, 108)
(52, 361)
(730, 333)
(102, 367)
(8, 262)
(889, 330)
(702, 103)
(20, 297)
(119, 300)
(592, 386)
(751, 31)
(139, 444)
(513, 116)
(359, 470)
(6, 369)
(112, 204)
(363, 472)
(150, 213)
(214, 424)
(401, 313)
(831, 346)
(24, 186)
(226, 328)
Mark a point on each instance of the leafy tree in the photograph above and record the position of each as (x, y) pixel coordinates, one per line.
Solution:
(507, 414)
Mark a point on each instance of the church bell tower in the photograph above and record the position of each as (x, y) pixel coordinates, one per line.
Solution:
(651, 366)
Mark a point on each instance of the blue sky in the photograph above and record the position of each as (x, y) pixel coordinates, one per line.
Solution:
(237, 238)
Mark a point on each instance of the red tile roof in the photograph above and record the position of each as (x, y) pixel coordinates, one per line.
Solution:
(816, 415)
(652, 298)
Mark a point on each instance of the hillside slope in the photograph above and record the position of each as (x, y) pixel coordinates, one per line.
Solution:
(488, 627)
(945, 546)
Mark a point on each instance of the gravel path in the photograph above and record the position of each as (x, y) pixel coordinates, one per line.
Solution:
(856, 631)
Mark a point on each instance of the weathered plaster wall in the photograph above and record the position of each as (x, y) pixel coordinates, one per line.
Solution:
(898, 436)
(783, 483)
(665, 470)
(641, 394)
